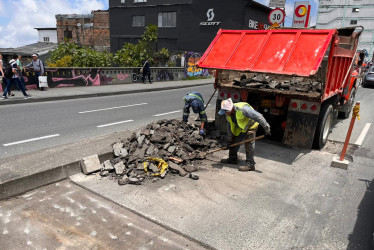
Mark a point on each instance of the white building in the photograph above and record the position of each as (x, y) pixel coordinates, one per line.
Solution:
(47, 35)
(345, 13)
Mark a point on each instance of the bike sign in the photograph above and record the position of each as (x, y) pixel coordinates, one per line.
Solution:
(276, 16)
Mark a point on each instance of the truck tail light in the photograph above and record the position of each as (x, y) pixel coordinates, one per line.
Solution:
(222, 94)
(228, 95)
(294, 104)
(304, 106)
(314, 107)
(236, 96)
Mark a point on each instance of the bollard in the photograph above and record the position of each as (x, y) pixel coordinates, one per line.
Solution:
(356, 110)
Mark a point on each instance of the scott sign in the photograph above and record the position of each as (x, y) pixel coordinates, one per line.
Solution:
(210, 17)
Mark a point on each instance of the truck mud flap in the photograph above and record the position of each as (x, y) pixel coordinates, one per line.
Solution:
(300, 129)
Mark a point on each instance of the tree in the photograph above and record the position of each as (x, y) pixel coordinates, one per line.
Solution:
(133, 55)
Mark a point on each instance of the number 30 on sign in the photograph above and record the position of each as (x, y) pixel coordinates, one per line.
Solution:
(276, 16)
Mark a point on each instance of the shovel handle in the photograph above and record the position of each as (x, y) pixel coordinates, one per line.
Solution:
(236, 144)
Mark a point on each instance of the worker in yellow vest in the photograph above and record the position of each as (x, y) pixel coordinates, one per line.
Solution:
(242, 124)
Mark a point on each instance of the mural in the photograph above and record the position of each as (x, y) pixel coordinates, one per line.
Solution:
(191, 59)
(70, 77)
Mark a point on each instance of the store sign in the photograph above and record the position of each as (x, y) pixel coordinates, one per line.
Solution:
(210, 18)
(257, 25)
(277, 3)
(301, 14)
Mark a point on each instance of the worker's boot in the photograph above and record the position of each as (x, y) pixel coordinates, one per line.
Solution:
(230, 160)
(247, 167)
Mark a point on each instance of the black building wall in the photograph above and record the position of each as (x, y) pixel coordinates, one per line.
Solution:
(193, 31)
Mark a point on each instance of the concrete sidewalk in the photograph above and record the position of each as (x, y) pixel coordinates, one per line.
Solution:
(64, 93)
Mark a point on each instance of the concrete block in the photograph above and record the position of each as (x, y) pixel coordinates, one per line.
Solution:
(90, 164)
(337, 163)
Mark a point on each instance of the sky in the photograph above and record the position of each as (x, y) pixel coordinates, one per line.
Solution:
(18, 18)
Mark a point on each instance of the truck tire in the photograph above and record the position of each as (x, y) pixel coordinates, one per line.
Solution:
(324, 124)
(346, 110)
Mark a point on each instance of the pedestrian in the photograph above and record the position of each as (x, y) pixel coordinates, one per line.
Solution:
(4, 83)
(13, 78)
(195, 101)
(146, 70)
(38, 68)
(242, 124)
(20, 71)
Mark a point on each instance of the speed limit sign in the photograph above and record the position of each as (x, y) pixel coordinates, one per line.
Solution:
(276, 16)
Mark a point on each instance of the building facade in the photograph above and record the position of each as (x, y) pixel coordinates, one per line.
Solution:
(183, 25)
(88, 30)
(345, 13)
(47, 35)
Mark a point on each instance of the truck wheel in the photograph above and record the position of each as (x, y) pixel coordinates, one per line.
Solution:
(323, 126)
(346, 111)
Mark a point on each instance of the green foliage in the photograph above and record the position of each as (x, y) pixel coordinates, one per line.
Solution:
(68, 54)
(133, 55)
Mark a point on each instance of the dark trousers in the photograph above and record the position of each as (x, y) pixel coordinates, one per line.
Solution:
(249, 146)
(10, 81)
(37, 74)
(147, 73)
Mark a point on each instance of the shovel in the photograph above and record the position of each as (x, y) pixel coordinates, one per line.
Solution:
(203, 154)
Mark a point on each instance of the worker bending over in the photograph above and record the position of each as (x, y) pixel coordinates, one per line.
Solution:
(242, 124)
(196, 102)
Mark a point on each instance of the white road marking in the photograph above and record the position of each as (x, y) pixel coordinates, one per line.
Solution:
(119, 107)
(172, 112)
(115, 123)
(30, 140)
(361, 138)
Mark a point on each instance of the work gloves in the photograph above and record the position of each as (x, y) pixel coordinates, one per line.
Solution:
(202, 132)
(267, 130)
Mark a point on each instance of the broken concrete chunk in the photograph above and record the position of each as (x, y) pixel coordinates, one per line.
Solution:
(107, 165)
(141, 140)
(190, 168)
(90, 164)
(171, 149)
(151, 132)
(123, 181)
(146, 132)
(119, 167)
(166, 146)
(123, 152)
(104, 173)
(180, 170)
(117, 148)
(153, 168)
(134, 181)
(194, 176)
(138, 133)
(150, 150)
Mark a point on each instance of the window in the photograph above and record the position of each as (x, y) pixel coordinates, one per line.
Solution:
(123, 1)
(167, 19)
(356, 10)
(46, 39)
(140, 1)
(68, 34)
(138, 21)
(353, 21)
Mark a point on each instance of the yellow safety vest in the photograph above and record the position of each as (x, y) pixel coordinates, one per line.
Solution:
(243, 123)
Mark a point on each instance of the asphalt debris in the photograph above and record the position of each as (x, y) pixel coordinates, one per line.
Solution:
(165, 147)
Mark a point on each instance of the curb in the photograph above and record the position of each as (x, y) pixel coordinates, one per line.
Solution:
(57, 98)
(27, 183)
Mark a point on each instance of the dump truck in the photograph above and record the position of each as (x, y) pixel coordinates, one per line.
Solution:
(299, 79)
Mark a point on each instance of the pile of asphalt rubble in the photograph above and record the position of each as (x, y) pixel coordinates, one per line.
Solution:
(293, 84)
(170, 142)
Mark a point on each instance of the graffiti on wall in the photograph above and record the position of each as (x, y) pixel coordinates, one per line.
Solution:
(137, 77)
(191, 59)
(70, 77)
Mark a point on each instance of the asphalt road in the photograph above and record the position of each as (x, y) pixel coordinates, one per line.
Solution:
(29, 127)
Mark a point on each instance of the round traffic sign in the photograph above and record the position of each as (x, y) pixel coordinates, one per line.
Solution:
(276, 16)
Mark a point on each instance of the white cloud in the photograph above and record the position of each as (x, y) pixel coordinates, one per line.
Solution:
(30, 14)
